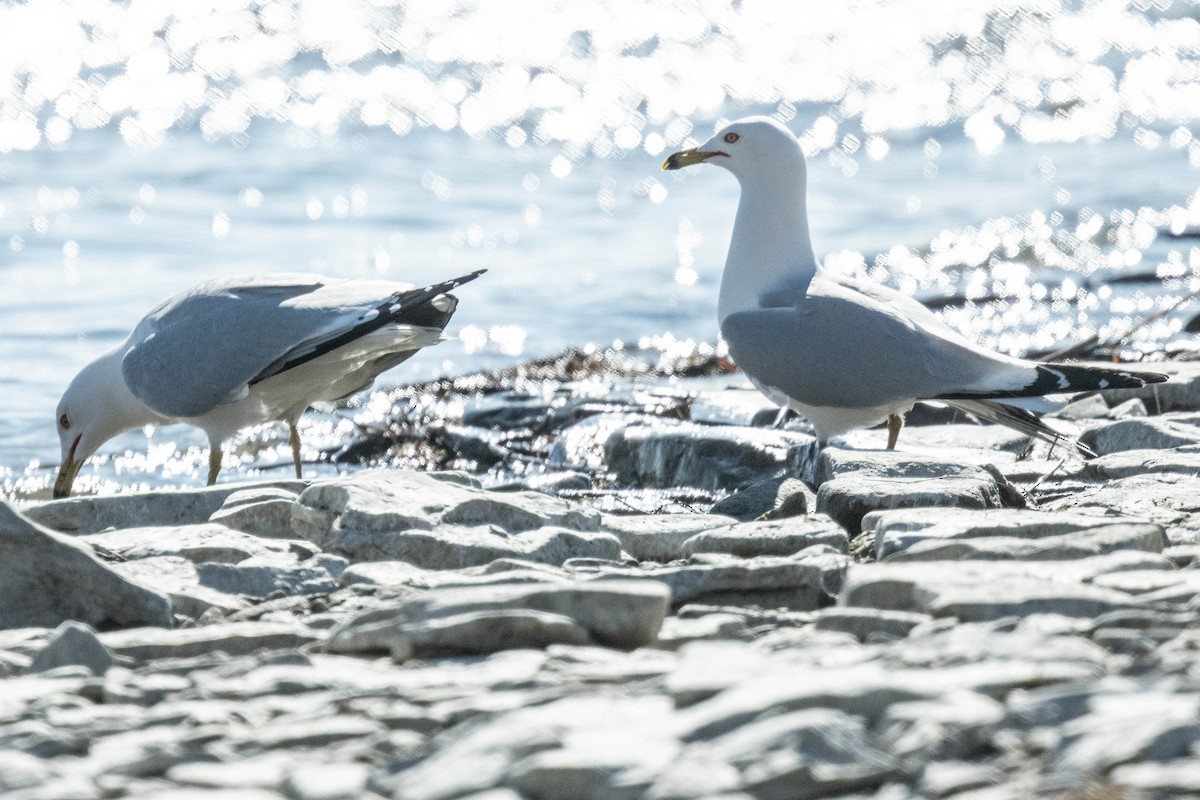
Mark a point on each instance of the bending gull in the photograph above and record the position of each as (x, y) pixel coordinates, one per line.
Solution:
(842, 352)
(227, 354)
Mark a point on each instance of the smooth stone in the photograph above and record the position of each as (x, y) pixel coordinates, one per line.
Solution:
(809, 752)
(179, 579)
(957, 725)
(1100, 540)
(236, 638)
(389, 500)
(990, 590)
(1165, 498)
(201, 542)
(264, 512)
(836, 462)
(457, 547)
(253, 578)
(261, 772)
(1143, 433)
(1147, 727)
(714, 457)
(849, 498)
(868, 623)
(335, 781)
(779, 537)
(900, 529)
(1181, 460)
(771, 499)
(73, 643)
(583, 743)
(620, 614)
(660, 537)
(481, 632)
(21, 771)
(1176, 778)
(804, 581)
(47, 578)
(158, 508)
(678, 631)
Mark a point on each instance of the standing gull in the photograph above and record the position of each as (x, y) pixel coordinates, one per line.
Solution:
(232, 353)
(842, 352)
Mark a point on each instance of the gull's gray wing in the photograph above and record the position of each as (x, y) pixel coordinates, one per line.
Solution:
(841, 348)
(206, 346)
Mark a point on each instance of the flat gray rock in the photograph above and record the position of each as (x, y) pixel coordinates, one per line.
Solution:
(701, 456)
(164, 507)
(803, 581)
(770, 499)
(1181, 460)
(231, 638)
(459, 546)
(899, 529)
(47, 578)
(847, 499)
(660, 537)
(864, 623)
(990, 590)
(1102, 539)
(779, 537)
(73, 643)
(1145, 433)
(481, 632)
(622, 614)
(390, 500)
(1165, 498)
(199, 543)
(265, 511)
(179, 579)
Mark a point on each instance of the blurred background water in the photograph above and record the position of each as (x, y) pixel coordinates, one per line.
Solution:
(1029, 168)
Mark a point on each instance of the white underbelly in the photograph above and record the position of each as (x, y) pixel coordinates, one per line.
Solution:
(828, 421)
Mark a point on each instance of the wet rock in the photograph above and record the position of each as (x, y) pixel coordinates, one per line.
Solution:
(705, 457)
(771, 499)
(456, 547)
(73, 643)
(163, 507)
(47, 578)
(745, 407)
(780, 537)
(620, 614)
(660, 537)
(1148, 433)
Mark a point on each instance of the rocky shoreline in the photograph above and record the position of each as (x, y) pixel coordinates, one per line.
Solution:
(617, 586)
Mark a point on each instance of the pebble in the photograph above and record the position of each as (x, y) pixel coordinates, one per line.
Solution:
(949, 620)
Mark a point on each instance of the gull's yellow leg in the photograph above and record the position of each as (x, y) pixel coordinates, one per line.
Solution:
(214, 463)
(294, 441)
(895, 422)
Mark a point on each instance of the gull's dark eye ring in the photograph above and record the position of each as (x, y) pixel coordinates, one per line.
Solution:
(64, 421)
(731, 137)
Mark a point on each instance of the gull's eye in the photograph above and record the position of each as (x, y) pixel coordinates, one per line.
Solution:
(64, 421)
(731, 137)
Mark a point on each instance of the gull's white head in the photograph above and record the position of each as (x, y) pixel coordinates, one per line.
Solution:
(753, 148)
(93, 410)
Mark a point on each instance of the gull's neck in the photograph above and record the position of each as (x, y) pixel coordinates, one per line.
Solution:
(102, 385)
(770, 248)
